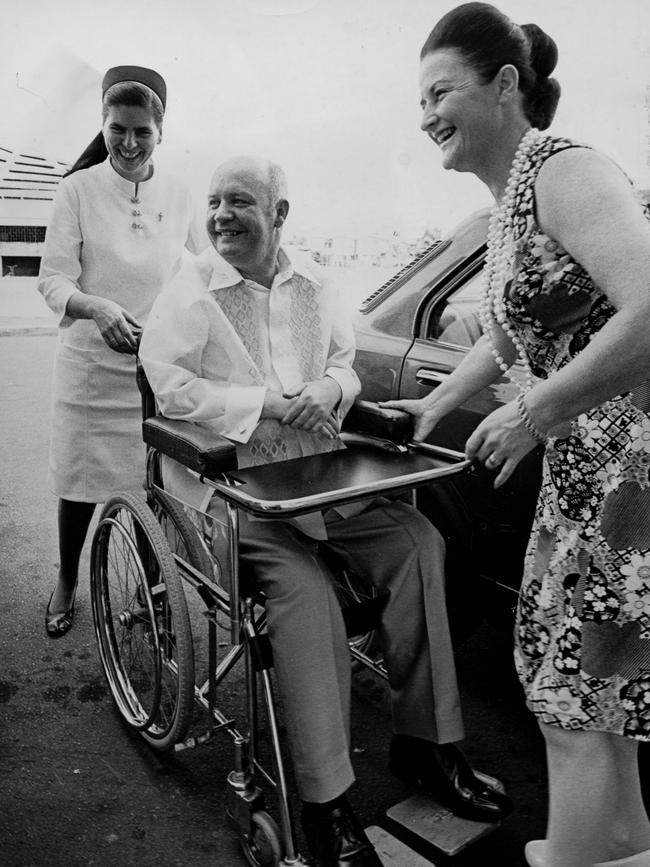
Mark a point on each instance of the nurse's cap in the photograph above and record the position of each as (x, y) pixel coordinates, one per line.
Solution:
(141, 74)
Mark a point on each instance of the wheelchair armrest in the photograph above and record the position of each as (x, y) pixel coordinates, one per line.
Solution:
(206, 453)
(379, 422)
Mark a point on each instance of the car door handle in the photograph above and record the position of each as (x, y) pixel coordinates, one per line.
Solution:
(424, 374)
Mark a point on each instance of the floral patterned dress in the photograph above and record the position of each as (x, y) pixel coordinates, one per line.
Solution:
(583, 624)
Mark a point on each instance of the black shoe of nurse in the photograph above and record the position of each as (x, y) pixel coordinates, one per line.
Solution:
(441, 771)
(57, 625)
(335, 836)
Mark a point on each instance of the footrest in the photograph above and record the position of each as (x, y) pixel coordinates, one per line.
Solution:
(431, 823)
(392, 852)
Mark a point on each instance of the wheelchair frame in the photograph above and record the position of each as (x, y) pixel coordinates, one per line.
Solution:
(145, 550)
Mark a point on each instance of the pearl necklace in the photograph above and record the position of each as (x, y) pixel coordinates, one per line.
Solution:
(498, 264)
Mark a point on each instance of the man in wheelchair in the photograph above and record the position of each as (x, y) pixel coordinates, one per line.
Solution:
(255, 345)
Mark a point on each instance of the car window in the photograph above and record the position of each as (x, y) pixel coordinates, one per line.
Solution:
(456, 320)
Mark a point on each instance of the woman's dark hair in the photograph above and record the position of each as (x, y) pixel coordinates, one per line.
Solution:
(133, 93)
(123, 93)
(488, 40)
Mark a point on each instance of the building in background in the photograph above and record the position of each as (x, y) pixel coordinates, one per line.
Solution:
(27, 187)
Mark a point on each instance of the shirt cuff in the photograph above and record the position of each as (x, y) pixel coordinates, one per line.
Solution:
(243, 410)
(349, 384)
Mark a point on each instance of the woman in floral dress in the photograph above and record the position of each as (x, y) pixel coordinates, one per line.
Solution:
(568, 296)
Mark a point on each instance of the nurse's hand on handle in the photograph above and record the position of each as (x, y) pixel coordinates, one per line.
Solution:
(120, 330)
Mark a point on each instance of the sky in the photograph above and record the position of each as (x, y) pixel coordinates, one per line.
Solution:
(328, 88)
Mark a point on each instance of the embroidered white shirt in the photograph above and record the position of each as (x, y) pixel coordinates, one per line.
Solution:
(215, 342)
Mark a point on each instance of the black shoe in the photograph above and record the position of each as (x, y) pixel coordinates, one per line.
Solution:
(441, 771)
(336, 838)
(56, 625)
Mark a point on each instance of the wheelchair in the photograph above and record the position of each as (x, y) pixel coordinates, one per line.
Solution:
(150, 553)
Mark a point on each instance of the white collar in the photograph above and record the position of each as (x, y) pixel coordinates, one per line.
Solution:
(121, 183)
(224, 275)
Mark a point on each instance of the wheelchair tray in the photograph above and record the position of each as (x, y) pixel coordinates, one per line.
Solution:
(321, 481)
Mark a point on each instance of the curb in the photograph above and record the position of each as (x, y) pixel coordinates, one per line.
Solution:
(28, 332)
(23, 327)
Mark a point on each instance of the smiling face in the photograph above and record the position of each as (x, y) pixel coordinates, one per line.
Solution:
(459, 113)
(131, 135)
(243, 221)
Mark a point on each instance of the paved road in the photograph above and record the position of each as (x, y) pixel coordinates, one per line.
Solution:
(79, 789)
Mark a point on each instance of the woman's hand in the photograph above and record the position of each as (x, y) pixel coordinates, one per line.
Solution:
(501, 440)
(424, 413)
(119, 329)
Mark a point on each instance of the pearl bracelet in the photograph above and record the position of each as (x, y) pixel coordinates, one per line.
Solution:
(527, 420)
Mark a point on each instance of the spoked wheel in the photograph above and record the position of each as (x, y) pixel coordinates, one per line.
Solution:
(263, 848)
(181, 534)
(141, 622)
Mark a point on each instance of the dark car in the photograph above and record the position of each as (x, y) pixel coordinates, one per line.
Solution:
(412, 332)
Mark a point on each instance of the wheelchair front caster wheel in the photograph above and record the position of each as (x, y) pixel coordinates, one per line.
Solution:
(262, 847)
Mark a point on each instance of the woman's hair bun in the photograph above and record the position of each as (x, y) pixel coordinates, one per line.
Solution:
(543, 50)
(542, 102)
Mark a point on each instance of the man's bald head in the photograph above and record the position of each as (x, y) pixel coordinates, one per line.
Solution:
(266, 173)
(247, 206)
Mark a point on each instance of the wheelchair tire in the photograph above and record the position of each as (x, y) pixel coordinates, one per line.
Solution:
(141, 622)
(182, 536)
(263, 847)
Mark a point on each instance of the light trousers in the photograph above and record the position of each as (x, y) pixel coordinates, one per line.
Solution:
(396, 549)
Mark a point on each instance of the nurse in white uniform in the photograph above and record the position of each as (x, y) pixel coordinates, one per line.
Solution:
(115, 238)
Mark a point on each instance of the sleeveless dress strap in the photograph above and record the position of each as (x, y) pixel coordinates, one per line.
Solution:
(547, 147)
